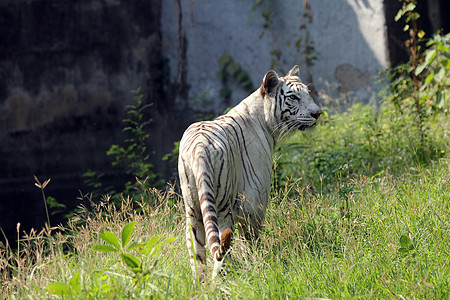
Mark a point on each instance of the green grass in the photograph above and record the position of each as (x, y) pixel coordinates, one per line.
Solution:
(360, 141)
(309, 248)
(379, 232)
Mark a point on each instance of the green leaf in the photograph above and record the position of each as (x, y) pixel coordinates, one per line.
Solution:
(399, 14)
(110, 238)
(136, 91)
(428, 59)
(446, 64)
(439, 74)
(58, 288)
(403, 250)
(131, 261)
(171, 239)
(147, 247)
(440, 46)
(404, 241)
(104, 248)
(127, 231)
(430, 56)
(429, 78)
(75, 282)
(133, 245)
(440, 103)
(224, 59)
(409, 7)
(420, 68)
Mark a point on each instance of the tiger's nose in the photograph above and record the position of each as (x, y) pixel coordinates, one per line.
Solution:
(316, 114)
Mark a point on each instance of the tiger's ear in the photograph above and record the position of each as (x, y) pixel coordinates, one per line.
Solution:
(295, 71)
(270, 82)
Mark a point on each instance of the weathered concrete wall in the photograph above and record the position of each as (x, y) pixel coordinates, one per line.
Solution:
(348, 37)
(66, 71)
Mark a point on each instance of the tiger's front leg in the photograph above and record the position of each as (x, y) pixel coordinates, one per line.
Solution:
(249, 216)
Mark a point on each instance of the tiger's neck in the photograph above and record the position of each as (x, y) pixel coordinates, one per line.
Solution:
(255, 112)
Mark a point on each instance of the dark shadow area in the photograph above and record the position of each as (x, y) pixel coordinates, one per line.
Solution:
(66, 72)
(433, 17)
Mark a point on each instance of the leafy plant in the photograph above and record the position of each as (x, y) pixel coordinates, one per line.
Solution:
(63, 289)
(229, 69)
(304, 44)
(435, 68)
(344, 195)
(172, 158)
(93, 179)
(406, 245)
(123, 246)
(419, 88)
(361, 141)
(133, 153)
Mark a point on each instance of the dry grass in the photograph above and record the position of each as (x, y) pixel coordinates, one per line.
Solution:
(59, 252)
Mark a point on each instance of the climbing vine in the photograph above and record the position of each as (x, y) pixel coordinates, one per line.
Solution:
(304, 44)
(232, 71)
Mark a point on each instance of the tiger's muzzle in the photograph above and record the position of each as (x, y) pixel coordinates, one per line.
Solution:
(309, 122)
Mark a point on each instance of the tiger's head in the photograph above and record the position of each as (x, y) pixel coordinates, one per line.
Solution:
(288, 105)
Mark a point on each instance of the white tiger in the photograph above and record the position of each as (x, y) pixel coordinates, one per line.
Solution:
(225, 165)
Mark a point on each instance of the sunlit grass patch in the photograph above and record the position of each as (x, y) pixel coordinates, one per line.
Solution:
(388, 238)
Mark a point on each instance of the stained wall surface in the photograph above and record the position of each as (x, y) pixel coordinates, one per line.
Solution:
(66, 71)
(348, 38)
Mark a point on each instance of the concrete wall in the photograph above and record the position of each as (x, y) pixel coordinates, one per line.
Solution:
(348, 36)
(66, 71)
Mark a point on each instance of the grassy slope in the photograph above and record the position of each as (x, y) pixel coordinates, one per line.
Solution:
(313, 251)
(332, 245)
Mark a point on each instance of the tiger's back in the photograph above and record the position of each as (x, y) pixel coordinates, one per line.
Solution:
(236, 153)
(225, 165)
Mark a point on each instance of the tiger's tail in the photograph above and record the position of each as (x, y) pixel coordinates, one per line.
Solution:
(218, 245)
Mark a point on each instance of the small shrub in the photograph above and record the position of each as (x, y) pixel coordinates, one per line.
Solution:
(142, 267)
(231, 70)
(132, 154)
(419, 88)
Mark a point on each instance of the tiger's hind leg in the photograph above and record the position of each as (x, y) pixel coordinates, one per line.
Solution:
(195, 240)
(195, 231)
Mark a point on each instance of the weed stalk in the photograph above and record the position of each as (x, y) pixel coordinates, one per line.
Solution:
(42, 187)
